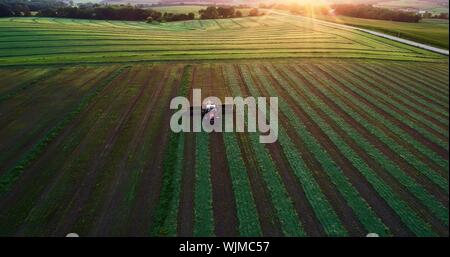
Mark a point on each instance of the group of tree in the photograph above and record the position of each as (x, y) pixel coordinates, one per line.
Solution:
(365, 11)
(213, 12)
(172, 17)
(9, 8)
(371, 12)
(101, 12)
(428, 15)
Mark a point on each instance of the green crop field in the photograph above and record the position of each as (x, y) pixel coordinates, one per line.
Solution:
(419, 5)
(86, 145)
(428, 31)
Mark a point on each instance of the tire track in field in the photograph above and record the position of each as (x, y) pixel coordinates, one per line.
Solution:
(84, 191)
(103, 224)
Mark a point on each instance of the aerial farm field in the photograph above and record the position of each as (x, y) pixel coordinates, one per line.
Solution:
(428, 31)
(86, 147)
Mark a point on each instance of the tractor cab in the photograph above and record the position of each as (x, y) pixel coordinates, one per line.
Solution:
(210, 111)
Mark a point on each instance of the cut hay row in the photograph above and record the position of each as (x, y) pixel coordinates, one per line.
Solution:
(353, 85)
(245, 205)
(9, 177)
(359, 171)
(39, 116)
(165, 220)
(415, 223)
(422, 167)
(214, 42)
(112, 131)
(204, 221)
(407, 105)
(432, 83)
(419, 89)
(365, 214)
(429, 108)
(290, 223)
(428, 200)
(143, 188)
(31, 214)
(11, 86)
(114, 188)
(365, 84)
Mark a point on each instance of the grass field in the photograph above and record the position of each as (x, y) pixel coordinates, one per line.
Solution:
(428, 31)
(418, 5)
(36, 41)
(85, 143)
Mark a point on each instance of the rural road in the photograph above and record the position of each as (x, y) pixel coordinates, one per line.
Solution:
(394, 38)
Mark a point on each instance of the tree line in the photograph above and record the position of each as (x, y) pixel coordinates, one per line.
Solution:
(9, 8)
(59, 9)
(370, 12)
(213, 12)
(355, 10)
